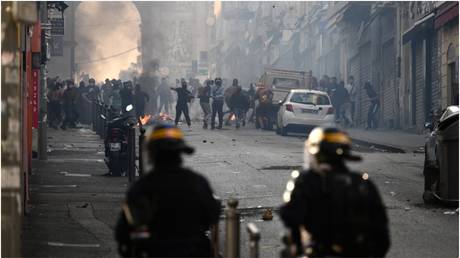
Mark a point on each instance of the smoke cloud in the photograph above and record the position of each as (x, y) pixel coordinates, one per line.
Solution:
(108, 37)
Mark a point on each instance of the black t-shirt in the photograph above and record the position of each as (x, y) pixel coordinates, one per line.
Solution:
(183, 96)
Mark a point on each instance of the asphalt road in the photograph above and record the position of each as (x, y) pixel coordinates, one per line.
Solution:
(253, 166)
(73, 209)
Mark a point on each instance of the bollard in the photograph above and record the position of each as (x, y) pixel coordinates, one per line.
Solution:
(215, 240)
(141, 145)
(232, 221)
(131, 154)
(254, 237)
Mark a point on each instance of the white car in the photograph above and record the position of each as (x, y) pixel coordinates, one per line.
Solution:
(303, 110)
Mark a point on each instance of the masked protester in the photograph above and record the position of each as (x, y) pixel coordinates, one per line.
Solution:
(183, 97)
(140, 98)
(217, 94)
(168, 211)
(204, 94)
(341, 211)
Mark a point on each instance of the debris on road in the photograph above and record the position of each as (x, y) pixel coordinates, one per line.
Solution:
(267, 215)
(450, 212)
(406, 208)
(204, 141)
(392, 193)
(83, 206)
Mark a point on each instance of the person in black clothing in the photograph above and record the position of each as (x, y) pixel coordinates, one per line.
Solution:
(240, 104)
(372, 119)
(204, 94)
(183, 97)
(217, 95)
(140, 98)
(168, 211)
(339, 97)
(70, 100)
(341, 210)
(126, 95)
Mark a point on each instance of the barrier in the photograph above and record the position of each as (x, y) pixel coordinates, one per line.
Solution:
(254, 237)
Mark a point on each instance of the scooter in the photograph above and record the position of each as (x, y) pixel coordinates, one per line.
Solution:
(116, 143)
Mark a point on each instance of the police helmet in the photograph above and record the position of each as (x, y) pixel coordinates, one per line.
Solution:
(329, 145)
(167, 138)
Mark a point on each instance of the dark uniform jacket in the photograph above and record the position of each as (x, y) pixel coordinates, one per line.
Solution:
(342, 211)
(178, 206)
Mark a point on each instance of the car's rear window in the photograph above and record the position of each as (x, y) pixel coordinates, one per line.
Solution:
(309, 98)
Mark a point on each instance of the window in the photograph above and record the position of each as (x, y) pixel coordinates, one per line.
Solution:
(285, 83)
(310, 98)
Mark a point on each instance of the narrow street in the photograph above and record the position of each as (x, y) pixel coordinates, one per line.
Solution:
(74, 209)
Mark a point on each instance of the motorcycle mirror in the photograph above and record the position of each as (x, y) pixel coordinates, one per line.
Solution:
(103, 117)
(428, 125)
(129, 108)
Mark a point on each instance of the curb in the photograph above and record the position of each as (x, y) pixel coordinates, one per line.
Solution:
(386, 147)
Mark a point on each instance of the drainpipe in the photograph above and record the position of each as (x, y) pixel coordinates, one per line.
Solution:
(42, 116)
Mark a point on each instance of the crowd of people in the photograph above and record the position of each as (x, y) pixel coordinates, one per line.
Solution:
(344, 98)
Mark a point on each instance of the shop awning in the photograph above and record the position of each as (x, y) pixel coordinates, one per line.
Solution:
(446, 14)
(420, 27)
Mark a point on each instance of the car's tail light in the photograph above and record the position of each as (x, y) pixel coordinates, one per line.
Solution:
(289, 108)
(330, 111)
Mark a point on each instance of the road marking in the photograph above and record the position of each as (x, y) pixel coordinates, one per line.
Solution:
(75, 160)
(56, 186)
(65, 173)
(73, 245)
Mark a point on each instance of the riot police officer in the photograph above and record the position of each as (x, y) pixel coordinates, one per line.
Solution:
(168, 211)
(341, 211)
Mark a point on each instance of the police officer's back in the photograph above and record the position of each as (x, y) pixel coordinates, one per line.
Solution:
(171, 206)
(340, 209)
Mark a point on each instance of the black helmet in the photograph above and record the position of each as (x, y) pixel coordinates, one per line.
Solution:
(167, 138)
(328, 145)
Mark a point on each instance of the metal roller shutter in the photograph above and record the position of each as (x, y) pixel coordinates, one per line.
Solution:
(364, 75)
(419, 85)
(388, 90)
(435, 78)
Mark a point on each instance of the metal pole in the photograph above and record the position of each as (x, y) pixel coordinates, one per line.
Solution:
(131, 154)
(93, 115)
(215, 240)
(42, 124)
(141, 145)
(254, 237)
(232, 221)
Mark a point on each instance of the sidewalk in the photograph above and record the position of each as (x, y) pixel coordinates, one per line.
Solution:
(73, 208)
(396, 140)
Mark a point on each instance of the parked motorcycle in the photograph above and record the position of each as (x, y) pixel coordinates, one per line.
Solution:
(116, 142)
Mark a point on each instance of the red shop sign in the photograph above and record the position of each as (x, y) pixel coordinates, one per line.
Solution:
(35, 99)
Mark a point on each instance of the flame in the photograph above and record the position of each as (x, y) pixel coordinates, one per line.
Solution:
(233, 117)
(145, 119)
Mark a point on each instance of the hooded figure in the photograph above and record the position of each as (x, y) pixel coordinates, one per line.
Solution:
(168, 211)
(340, 210)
